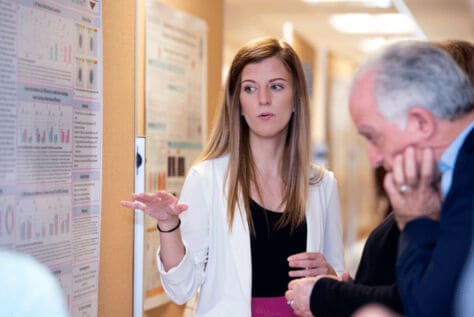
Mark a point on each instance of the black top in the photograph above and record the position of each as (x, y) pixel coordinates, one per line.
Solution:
(270, 250)
(375, 279)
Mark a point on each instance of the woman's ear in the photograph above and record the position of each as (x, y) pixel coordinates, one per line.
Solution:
(421, 123)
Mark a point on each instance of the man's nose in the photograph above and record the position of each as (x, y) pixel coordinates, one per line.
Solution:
(375, 157)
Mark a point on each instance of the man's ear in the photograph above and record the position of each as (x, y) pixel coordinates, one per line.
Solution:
(421, 123)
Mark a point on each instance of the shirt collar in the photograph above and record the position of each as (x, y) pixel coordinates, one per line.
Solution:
(448, 159)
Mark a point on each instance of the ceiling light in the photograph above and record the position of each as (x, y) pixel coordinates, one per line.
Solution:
(367, 3)
(370, 45)
(288, 32)
(364, 23)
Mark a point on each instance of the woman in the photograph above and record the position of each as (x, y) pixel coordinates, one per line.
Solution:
(259, 212)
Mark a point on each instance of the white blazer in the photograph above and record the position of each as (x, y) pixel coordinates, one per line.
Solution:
(218, 262)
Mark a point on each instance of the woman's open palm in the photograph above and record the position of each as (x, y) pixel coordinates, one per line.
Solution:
(160, 205)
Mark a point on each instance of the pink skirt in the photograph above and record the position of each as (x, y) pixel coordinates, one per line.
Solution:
(271, 307)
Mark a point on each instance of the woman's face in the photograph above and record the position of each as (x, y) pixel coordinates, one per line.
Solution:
(266, 97)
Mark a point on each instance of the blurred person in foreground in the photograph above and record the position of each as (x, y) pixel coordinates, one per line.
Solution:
(28, 288)
(375, 310)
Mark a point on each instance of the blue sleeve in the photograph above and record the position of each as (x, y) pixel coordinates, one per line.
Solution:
(431, 257)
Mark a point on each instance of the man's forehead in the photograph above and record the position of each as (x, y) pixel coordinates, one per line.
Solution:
(363, 81)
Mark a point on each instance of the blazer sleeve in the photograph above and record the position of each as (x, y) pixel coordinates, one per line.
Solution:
(182, 282)
(333, 247)
(429, 265)
(333, 298)
(432, 254)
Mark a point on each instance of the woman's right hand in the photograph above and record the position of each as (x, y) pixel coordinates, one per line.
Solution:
(162, 206)
(165, 208)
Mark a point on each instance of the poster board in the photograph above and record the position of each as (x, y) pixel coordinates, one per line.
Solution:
(51, 132)
(175, 124)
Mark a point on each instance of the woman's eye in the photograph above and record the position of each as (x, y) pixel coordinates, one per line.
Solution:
(249, 89)
(276, 87)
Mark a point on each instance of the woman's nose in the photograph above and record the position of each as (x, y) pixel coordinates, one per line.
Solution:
(264, 97)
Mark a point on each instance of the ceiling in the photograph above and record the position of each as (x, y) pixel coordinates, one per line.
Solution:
(247, 19)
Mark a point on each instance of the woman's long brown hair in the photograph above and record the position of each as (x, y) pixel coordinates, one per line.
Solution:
(230, 136)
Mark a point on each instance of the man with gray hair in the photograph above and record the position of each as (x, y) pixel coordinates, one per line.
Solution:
(415, 107)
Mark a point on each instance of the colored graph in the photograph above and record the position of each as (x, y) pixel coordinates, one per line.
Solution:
(42, 124)
(45, 218)
(49, 47)
(54, 137)
(64, 53)
(59, 225)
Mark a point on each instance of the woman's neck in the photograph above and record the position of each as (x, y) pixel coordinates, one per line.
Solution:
(267, 156)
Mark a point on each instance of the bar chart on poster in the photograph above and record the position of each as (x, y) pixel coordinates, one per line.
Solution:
(51, 139)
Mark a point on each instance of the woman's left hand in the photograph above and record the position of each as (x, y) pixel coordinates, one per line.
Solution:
(309, 264)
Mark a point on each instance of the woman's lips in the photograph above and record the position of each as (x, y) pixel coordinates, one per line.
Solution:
(266, 115)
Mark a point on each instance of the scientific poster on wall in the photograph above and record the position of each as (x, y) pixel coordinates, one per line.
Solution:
(51, 139)
(175, 113)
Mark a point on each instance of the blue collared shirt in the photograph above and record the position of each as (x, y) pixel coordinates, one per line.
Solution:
(448, 159)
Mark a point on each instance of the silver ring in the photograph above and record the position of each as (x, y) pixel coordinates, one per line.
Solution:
(290, 302)
(403, 188)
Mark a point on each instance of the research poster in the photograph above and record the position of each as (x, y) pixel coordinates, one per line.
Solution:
(51, 139)
(175, 114)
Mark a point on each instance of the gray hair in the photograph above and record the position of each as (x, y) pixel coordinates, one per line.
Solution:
(418, 74)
